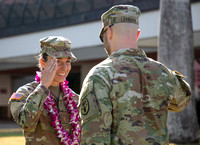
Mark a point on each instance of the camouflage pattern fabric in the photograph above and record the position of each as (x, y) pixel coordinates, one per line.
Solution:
(120, 14)
(57, 46)
(29, 113)
(125, 100)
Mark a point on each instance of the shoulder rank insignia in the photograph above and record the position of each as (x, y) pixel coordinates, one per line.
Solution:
(16, 96)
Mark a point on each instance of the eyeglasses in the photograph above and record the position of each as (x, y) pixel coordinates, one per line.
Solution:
(101, 35)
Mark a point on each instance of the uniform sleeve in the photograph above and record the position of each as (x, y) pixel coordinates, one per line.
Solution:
(182, 93)
(27, 109)
(76, 99)
(95, 110)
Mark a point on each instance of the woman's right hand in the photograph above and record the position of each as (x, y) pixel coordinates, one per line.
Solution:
(48, 73)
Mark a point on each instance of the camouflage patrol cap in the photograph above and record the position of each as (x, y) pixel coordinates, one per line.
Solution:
(57, 46)
(120, 14)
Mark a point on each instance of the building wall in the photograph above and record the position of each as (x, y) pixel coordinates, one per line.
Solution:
(5, 89)
(85, 68)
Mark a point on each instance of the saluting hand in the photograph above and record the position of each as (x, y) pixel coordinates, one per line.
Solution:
(48, 73)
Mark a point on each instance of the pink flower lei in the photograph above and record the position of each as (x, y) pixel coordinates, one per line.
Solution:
(49, 105)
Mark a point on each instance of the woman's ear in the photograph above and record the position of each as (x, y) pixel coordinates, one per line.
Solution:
(42, 63)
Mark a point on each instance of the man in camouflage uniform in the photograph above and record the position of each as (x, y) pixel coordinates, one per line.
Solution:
(27, 104)
(125, 99)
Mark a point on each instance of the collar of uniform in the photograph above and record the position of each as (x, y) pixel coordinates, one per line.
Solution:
(129, 51)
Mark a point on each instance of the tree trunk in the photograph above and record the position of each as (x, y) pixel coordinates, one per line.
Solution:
(176, 52)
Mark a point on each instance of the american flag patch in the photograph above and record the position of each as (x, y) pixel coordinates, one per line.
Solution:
(16, 96)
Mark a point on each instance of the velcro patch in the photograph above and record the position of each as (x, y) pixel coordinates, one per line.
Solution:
(16, 96)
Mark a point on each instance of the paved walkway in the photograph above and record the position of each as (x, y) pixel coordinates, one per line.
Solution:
(9, 126)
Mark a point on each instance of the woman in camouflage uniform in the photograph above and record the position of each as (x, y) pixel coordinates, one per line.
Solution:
(46, 108)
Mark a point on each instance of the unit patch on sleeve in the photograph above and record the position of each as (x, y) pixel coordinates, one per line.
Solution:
(85, 106)
(16, 96)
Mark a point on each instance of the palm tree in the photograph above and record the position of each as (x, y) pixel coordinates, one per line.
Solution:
(176, 51)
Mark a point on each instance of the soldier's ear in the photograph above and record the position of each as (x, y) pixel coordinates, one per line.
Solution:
(138, 33)
(109, 33)
(42, 63)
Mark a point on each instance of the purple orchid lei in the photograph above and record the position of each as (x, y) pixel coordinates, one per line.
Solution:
(50, 106)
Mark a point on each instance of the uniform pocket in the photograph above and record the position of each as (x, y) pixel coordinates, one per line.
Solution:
(89, 105)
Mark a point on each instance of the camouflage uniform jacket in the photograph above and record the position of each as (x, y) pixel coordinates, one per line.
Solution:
(125, 100)
(30, 114)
